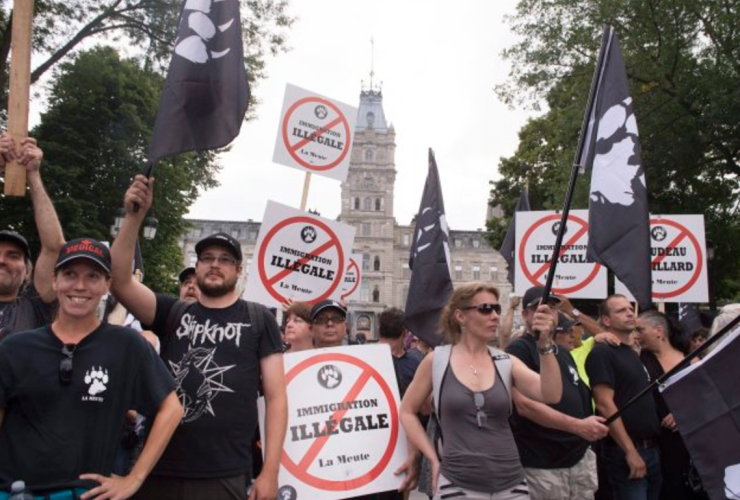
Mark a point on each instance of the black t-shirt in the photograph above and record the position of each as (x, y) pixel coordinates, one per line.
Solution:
(541, 447)
(26, 312)
(620, 368)
(52, 433)
(405, 367)
(214, 355)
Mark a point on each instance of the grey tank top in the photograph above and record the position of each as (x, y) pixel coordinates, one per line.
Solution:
(484, 458)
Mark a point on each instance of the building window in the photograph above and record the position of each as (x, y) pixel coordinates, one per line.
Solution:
(363, 322)
(192, 259)
(458, 243)
(235, 234)
(368, 155)
(367, 204)
(494, 273)
(406, 239)
(376, 294)
(376, 264)
(458, 273)
(366, 229)
(476, 243)
(406, 270)
(476, 272)
(365, 261)
(252, 235)
(357, 203)
(377, 204)
(364, 292)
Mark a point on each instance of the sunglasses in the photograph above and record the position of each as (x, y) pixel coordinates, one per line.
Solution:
(486, 309)
(480, 415)
(325, 320)
(65, 366)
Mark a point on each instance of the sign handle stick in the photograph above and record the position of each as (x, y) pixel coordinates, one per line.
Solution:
(661, 307)
(680, 366)
(306, 184)
(19, 92)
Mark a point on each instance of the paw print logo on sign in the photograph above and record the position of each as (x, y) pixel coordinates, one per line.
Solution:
(329, 376)
(194, 47)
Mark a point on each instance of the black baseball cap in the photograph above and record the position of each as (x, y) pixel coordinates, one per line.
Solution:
(533, 296)
(223, 240)
(565, 323)
(16, 238)
(185, 274)
(84, 248)
(327, 304)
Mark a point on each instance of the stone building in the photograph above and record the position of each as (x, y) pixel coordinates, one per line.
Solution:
(367, 204)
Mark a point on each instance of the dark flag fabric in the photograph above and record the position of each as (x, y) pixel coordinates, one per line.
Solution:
(508, 247)
(429, 260)
(619, 218)
(689, 317)
(705, 402)
(206, 93)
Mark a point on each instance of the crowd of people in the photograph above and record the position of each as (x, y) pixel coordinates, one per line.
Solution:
(166, 410)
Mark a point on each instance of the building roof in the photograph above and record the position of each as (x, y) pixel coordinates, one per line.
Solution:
(371, 114)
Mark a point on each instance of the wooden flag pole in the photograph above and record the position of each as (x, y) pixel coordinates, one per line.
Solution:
(306, 184)
(20, 91)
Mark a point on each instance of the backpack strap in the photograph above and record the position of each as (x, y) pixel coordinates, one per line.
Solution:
(256, 319)
(440, 363)
(502, 363)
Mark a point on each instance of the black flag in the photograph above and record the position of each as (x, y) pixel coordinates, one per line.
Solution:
(429, 260)
(206, 93)
(689, 317)
(619, 219)
(705, 402)
(508, 247)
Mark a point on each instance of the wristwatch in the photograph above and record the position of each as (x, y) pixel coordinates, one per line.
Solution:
(550, 348)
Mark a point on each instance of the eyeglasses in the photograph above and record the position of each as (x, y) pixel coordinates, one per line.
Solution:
(65, 366)
(486, 309)
(223, 260)
(480, 415)
(326, 319)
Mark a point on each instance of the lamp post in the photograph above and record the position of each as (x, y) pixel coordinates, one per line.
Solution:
(117, 222)
(150, 228)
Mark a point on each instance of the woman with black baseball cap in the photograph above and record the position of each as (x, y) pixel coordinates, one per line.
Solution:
(65, 388)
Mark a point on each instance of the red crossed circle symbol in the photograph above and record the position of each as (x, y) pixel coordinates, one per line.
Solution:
(683, 233)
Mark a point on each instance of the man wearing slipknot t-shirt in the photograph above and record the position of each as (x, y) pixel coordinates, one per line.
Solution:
(218, 356)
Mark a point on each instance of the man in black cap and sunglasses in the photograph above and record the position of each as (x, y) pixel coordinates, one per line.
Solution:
(66, 387)
(221, 350)
(27, 307)
(553, 440)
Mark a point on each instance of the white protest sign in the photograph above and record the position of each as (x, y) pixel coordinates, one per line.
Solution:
(298, 256)
(535, 239)
(679, 260)
(344, 437)
(316, 133)
(352, 278)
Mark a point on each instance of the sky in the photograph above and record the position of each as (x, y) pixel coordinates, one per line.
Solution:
(438, 62)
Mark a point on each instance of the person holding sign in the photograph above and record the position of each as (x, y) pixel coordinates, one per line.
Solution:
(472, 397)
(219, 349)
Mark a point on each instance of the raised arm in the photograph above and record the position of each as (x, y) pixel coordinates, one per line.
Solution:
(30, 155)
(135, 296)
(589, 324)
(166, 421)
(276, 422)
(504, 331)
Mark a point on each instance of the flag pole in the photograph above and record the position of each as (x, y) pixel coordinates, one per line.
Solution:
(680, 366)
(306, 184)
(575, 168)
(19, 92)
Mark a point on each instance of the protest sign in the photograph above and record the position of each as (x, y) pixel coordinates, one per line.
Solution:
(344, 438)
(315, 134)
(535, 240)
(352, 277)
(298, 256)
(678, 260)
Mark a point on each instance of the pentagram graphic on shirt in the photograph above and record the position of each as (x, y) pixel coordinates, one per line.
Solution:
(199, 379)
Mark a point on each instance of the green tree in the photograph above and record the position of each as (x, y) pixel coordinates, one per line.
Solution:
(60, 26)
(94, 134)
(683, 63)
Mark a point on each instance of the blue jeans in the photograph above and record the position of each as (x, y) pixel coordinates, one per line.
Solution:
(617, 471)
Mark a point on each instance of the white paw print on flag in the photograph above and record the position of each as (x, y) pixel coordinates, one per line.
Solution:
(195, 47)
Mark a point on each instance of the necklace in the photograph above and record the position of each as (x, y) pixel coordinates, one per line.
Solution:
(474, 369)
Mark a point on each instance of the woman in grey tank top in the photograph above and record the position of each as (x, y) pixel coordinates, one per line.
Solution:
(480, 459)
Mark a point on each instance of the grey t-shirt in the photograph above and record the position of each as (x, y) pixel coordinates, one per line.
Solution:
(484, 458)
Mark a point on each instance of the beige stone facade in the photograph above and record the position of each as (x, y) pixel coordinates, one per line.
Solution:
(367, 204)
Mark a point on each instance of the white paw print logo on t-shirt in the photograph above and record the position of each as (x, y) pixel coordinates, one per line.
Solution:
(96, 378)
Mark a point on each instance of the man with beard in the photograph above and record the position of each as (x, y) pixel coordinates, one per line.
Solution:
(219, 349)
(25, 309)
